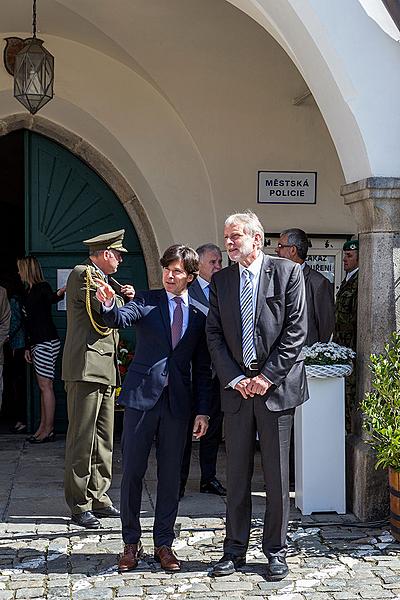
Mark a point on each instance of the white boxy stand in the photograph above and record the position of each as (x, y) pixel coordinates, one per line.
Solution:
(319, 439)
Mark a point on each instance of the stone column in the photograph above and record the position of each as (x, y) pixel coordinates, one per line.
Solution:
(375, 204)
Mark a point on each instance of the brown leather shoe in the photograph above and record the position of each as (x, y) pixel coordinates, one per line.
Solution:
(167, 558)
(129, 559)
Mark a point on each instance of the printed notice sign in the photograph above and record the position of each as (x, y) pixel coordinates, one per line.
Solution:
(286, 187)
(62, 276)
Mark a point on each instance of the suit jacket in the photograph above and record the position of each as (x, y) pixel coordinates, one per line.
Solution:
(280, 330)
(187, 366)
(199, 299)
(88, 355)
(320, 306)
(5, 315)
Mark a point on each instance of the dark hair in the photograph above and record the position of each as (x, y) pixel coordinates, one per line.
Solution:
(208, 248)
(189, 257)
(298, 238)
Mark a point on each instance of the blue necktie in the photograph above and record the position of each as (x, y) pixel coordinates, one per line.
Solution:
(246, 311)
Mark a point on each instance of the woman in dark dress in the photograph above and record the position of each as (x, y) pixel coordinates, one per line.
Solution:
(43, 343)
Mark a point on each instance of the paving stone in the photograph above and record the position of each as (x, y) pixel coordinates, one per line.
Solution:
(376, 593)
(130, 591)
(89, 594)
(345, 595)
(30, 593)
(231, 586)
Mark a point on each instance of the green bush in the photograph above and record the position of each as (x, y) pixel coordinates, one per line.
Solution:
(381, 406)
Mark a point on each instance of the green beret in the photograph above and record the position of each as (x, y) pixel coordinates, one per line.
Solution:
(107, 241)
(351, 245)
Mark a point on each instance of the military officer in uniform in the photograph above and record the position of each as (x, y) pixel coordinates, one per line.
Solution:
(90, 373)
(345, 332)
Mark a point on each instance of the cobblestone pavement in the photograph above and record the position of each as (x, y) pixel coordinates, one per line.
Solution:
(42, 555)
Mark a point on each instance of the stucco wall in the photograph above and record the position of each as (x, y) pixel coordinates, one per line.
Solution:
(199, 101)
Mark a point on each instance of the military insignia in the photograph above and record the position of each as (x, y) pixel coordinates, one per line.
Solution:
(13, 46)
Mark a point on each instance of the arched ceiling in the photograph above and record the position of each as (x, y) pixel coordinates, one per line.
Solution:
(156, 39)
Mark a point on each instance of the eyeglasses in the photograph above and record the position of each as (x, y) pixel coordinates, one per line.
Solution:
(284, 245)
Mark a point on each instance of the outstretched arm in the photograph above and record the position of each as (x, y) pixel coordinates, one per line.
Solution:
(114, 316)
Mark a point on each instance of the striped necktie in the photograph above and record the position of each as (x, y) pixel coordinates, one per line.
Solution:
(246, 311)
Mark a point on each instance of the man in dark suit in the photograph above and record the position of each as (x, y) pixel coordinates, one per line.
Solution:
(210, 262)
(293, 244)
(256, 327)
(171, 362)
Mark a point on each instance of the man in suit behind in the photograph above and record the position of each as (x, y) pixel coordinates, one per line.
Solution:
(89, 370)
(210, 262)
(293, 244)
(171, 363)
(256, 327)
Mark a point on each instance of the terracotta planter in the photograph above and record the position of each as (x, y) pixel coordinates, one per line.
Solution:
(394, 486)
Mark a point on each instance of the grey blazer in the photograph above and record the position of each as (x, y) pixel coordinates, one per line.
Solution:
(320, 306)
(280, 332)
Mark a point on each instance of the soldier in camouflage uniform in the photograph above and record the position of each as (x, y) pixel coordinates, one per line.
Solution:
(345, 332)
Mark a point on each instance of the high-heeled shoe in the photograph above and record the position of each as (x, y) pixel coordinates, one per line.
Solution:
(49, 438)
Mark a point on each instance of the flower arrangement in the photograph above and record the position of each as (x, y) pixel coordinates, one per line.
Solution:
(327, 354)
(328, 360)
(124, 357)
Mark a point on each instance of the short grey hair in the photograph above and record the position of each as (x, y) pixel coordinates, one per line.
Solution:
(299, 239)
(201, 250)
(251, 223)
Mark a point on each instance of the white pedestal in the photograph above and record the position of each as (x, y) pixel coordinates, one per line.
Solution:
(319, 441)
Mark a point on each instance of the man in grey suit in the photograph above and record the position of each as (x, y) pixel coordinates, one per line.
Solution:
(293, 244)
(256, 328)
(210, 262)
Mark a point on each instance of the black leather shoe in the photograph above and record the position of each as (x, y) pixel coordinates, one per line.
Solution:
(227, 565)
(213, 487)
(86, 519)
(109, 512)
(277, 568)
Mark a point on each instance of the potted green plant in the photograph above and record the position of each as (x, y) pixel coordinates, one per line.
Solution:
(381, 408)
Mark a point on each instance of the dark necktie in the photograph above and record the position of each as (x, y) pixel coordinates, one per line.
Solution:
(177, 321)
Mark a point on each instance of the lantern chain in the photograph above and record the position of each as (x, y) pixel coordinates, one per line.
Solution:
(34, 18)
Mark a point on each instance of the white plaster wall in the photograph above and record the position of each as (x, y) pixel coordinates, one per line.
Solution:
(194, 106)
(351, 64)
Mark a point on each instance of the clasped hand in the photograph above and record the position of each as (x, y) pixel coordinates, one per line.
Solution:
(251, 386)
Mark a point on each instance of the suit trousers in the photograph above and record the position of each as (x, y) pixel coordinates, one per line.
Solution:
(209, 443)
(89, 445)
(140, 429)
(274, 436)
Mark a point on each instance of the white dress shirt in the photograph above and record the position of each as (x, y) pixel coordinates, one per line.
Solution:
(351, 273)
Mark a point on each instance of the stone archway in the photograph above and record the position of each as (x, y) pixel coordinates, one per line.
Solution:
(107, 171)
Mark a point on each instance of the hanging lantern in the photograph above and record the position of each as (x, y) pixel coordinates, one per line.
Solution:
(33, 72)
